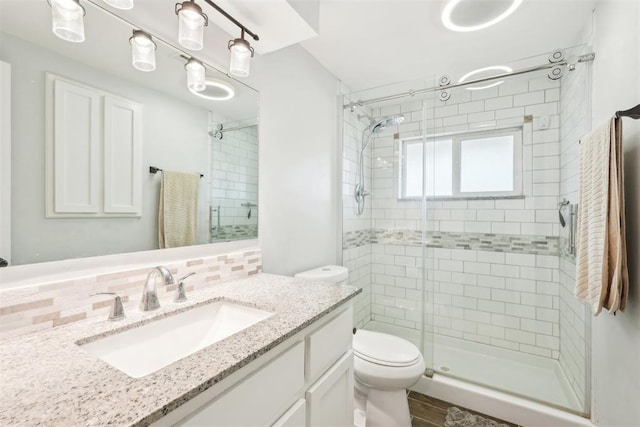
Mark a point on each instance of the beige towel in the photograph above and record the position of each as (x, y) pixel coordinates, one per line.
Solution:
(601, 265)
(178, 210)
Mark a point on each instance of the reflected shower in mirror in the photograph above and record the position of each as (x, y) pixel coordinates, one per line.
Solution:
(68, 194)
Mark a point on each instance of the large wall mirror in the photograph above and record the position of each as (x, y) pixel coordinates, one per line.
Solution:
(178, 131)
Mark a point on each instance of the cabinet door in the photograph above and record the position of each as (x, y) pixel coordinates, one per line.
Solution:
(294, 417)
(259, 399)
(76, 148)
(122, 156)
(330, 399)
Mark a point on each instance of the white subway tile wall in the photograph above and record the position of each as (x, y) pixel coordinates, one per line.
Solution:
(575, 122)
(356, 256)
(234, 181)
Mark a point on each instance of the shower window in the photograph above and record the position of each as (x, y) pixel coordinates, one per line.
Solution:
(470, 165)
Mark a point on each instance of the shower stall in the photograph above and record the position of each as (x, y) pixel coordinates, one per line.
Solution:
(233, 189)
(458, 209)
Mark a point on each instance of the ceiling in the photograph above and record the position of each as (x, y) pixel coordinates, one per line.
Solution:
(368, 43)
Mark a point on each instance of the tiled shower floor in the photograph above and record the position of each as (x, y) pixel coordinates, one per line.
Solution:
(522, 374)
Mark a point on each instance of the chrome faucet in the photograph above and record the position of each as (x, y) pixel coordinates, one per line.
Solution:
(150, 292)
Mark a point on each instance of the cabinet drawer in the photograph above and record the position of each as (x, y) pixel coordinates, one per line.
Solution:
(330, 399)
(328, 344)
(296, 416)
(259, 399)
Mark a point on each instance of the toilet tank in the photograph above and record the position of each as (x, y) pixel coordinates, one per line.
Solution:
(327, 273)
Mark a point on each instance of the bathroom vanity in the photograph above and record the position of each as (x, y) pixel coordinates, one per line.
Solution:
(294, 367)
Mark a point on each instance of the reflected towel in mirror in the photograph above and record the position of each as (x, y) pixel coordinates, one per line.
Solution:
(178, 209)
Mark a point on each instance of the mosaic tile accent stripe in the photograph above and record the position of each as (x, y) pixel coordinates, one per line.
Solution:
(234, 232)
(525, 244)
(34, 308)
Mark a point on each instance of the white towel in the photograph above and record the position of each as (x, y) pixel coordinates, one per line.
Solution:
(602, 279)
(178, 210)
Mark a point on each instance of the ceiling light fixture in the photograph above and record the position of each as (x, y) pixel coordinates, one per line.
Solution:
(191, 23)
(120, 4)
(473, 15)
(67, 17)
(215, 90)
(143, 51)
(195, 75)
(502, 68)
(241, 54)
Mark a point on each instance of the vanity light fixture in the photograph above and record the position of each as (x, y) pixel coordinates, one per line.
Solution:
(473, 15)
(191, 23)
(143, 51)
(67, 17)
(498, 68)
(215, 90)
(241, 54)
(120, 4)
(195, 75)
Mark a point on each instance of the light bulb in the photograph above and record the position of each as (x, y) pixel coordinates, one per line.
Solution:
(195, 75)
(240, 61)
(191, 23)
(143, 51)
(68, 20)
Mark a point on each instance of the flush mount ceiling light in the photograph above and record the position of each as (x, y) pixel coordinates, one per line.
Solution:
(191, 23)
(143, 51)
(67, 17)
(483, 73)
(241, 54)
(473, 15)
(120, 4)
(215, 90)
(195, 75)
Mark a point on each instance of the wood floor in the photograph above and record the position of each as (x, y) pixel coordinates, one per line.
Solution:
(430, 412)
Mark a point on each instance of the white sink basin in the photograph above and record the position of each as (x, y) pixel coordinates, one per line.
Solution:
(143, 350)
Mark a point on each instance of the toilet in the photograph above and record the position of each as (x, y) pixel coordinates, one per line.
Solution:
(384, 367)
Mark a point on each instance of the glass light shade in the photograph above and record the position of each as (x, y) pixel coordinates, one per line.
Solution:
(143, 51)
(195, 75)
(241, 54)
(191, 22)
(120, 4)
(68, 20)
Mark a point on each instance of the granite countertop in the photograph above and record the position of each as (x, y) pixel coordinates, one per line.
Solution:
(47, 379)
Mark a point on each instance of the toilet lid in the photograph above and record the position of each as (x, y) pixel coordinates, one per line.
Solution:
(384, 349)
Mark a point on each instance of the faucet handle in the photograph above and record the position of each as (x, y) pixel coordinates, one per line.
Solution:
(180, 293)
(117, 310)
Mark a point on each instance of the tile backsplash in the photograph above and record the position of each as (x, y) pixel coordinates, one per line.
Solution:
(34, 308)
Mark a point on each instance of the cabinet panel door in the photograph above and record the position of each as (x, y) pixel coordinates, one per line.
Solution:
(294, 417)
(330, 399)
(76, 151)
(259, 399)
(328, 344)
(122, 156)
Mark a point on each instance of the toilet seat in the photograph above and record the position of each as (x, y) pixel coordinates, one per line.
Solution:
(384, 349)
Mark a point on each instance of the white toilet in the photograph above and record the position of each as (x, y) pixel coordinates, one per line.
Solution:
(384, 365)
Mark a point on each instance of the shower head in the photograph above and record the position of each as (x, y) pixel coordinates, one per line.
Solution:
(380, 124)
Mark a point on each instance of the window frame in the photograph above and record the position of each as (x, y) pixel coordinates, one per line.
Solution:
(518, 133)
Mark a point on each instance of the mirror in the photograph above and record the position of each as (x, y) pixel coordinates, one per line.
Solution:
(180, 132)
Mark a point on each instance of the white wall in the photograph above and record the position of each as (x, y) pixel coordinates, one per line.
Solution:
(174, 137)
(5, 161)
(299, 162)
(616, 339)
